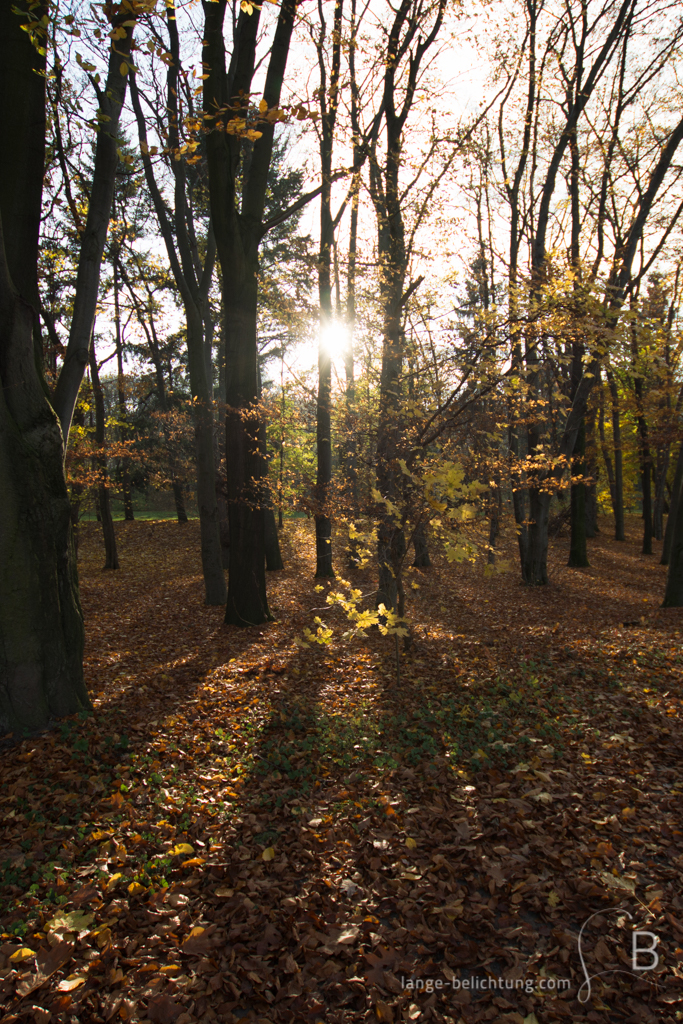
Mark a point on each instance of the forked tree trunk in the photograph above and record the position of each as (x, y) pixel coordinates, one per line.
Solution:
(237, 209)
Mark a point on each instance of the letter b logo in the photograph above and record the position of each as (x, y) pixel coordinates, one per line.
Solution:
(648, 951)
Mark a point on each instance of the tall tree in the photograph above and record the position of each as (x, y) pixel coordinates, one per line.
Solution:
(192, 276)
(414, 29)
(239, 146)
(329, 102)
(41, 625)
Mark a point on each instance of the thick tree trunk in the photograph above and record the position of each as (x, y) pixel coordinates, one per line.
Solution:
(673, 595)
(41, 624)
(237, 210)
(247, 600)
(673, 508)
(578, 551)
(535, 566)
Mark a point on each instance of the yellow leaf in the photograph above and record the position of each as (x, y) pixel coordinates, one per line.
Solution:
(21, 954)
(262, 108)
(193, 862)
(411, 844)
(268, 854)
(76, 921)
(182, 849)
(553, 898)
(70, 983)
(104, 938)
(114, 880)
(123, 68)
(135, 888)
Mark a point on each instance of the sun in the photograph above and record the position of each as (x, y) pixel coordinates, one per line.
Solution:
(335, 340)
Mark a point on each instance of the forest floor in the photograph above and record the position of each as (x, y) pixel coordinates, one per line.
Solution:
(246, 830)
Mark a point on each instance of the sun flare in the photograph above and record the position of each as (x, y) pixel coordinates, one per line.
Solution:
(335, 340)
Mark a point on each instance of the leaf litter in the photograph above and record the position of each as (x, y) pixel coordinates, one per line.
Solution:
(245, 830)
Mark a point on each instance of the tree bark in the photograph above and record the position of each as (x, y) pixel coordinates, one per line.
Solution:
(41, 623)
(662, 468)
(421, 548)
(111, 560)
(673, 595)
(673, 509)
(328, 112)
(179, 501)
(618, 497)
(237, 209)
(128, 513)
(578, 552)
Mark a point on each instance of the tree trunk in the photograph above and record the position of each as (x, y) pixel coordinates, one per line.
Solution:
(271, 541)
(212, 564)
(328, 96)
(673, 509)
(111, 560)
(247, 601)
(128, 513)
(494, 510)
(422, 559)
(592, 472)
(673, 595)
(41, 623)
(179, 500)
(535, 566)
(237, 210)
(663, 456)
(578, 552)
(618, 500)
(323, 522)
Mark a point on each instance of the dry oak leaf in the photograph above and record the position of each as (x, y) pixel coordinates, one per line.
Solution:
(384, 1011)
(47, 962)
(163, 1010)
(379, 964)
(198, 941)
